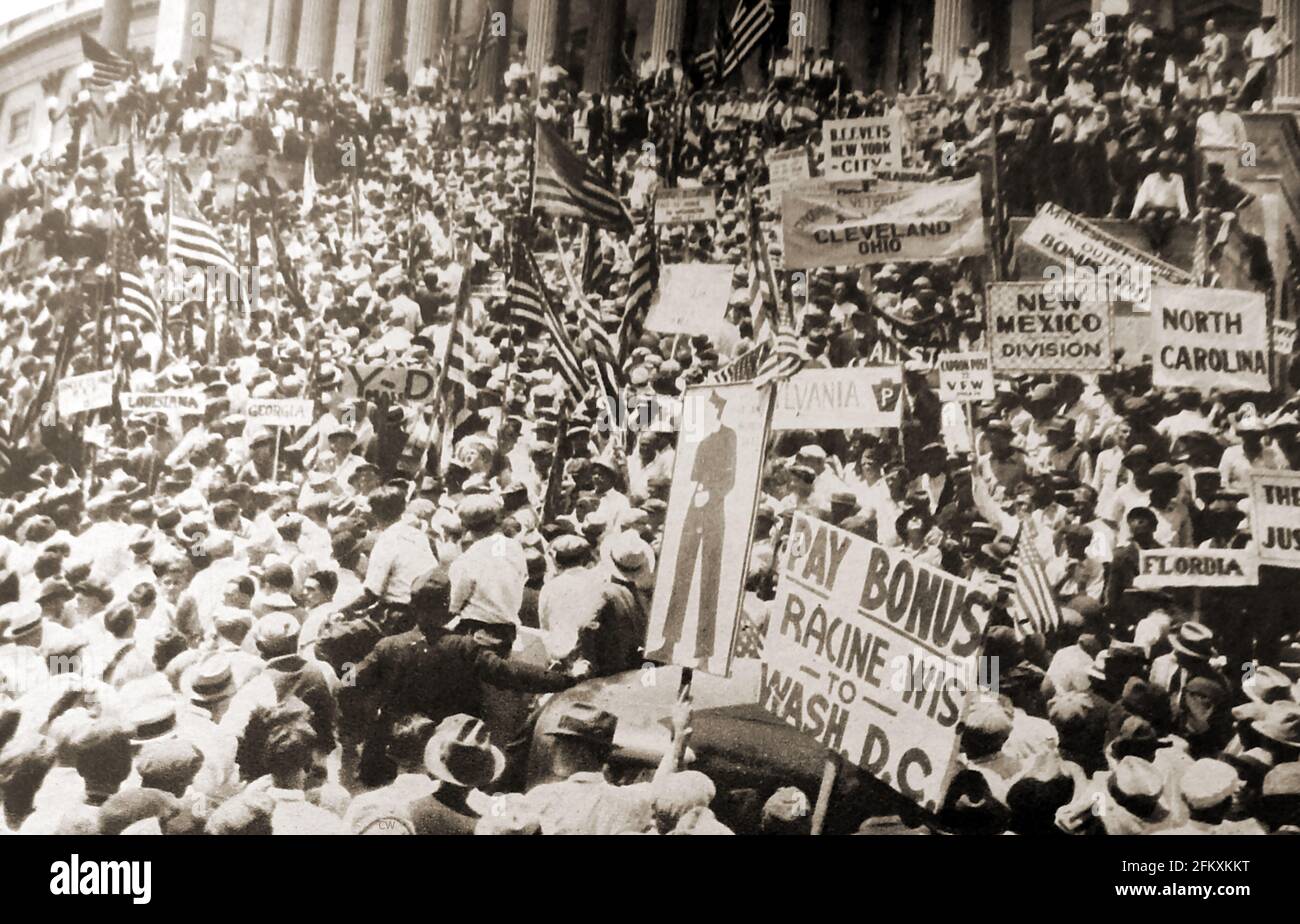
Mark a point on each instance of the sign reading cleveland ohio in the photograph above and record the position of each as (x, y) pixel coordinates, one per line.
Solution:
(1209, 338)
(1032, 331)
(871, 653)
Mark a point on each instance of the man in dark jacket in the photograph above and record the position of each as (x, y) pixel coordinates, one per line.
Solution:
(429, 671)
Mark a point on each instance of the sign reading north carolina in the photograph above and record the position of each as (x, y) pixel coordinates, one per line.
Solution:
(1209, 338)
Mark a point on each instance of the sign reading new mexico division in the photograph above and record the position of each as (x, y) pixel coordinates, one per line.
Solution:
(1030, 332)
(827, 227)
(871, 653)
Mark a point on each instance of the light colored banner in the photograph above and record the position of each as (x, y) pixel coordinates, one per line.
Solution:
(857, 148)
(826, 227)
(399, 383)
(88, 392)
(965, 377)
(851, 398)
(1196, 568)
(1029, 332)
(785, 169)
(167, 402)
(1275, 517)
(1064, 236)
(703, 559)
(1283, 337)
(871, 653)
(685, 205)
(1209, 338)
(280, 412)
(691, 299)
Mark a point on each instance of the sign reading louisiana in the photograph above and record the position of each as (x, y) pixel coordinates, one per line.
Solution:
(871, 653)
(823, 226)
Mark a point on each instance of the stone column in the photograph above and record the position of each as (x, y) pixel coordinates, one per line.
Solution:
(544, 19)
(1022, 35)
(196, 30)
(317, 25)
(604, 38)
(670, 20)
(951, 31)
(284, 32)
(1287, 93)
(345, 39)
(814, 27)
(115, 24)
(255, 16)
(426, 26)
(379, 43)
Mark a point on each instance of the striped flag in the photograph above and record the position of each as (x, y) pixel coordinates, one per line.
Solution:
(641, 285)
(109, 67)
(788, 355)
(478, 54)
(749, 23)
(529, 301)
(593, 336)
(135, 299)
(1027, 592)
(190, 237)
(566, 184)
(743, 368)
(787, 358)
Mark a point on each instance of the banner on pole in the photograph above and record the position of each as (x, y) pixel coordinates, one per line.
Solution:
(88, 392)
(1029, 331)
(683, 205)
(1181, 567)
(785, 169)
(853, 398)
(823, 226)
(1275, 517)
(965, 376)
(1209, 338)
(691, 299)
(857, 148)
(871, 653)
(703, 560)
(280, 412)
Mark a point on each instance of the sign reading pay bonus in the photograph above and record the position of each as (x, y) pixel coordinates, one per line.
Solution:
(855, 148)
(871, 653)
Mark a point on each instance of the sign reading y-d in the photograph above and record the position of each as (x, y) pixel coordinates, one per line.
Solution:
(705, 553)
(871, 653)
(399, 383)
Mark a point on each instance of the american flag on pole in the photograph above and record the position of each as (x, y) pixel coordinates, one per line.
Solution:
(136, 303)
(478, 54)
(566, 184)
(109, 67)
(191, 238)
(641, 285)
(789, 354)
(528, 300)
(749, 23)
(743, 368)
(1025, 590)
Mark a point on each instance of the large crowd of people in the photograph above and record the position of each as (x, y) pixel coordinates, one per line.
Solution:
(211, 626)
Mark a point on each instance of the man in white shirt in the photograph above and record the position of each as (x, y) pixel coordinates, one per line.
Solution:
(1161, 201)
(1263, 47)
(426, 78)
(1220, 134)
(966, 73)
(487, 579)
(401, 553)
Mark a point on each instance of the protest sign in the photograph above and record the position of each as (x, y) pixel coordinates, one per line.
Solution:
(786, 168)
(167, 402)
(280, 412)
(691, 299)
(708, 526)
(1071, 240)
(827, 227)
(1031, 332)
(1283, 337)
(399, 383)
(684, 205)
(1275, 517)
(1182, 567)
(853, 148)
(840, 399)
(1209, 338)
(965, 377)
(87, 392)
(871, 653)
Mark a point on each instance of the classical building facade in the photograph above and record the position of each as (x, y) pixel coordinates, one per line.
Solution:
(878, 41)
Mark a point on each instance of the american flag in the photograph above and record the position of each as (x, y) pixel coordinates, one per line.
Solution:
(1025, 590)
(109, 68)
(743, 368)
(528, 300)
(190, 237)
(566, 184)
(641, 285)
(789, 354)
(456, 365)
(135, 299)
(478, 54)
(749, 23)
